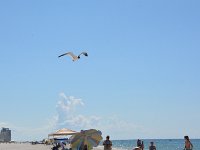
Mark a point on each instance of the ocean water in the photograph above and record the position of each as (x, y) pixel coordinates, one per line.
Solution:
(161, 144)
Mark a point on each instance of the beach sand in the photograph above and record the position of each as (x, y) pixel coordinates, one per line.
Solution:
(24, 146)
(28, 146)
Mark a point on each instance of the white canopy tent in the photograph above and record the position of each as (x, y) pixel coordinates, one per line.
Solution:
(63, 132)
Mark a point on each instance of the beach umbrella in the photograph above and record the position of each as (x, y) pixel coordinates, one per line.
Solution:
(91, 138)
(63, 132)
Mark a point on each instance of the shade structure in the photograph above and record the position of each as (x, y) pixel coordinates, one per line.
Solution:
(91, 138)
(63, 132)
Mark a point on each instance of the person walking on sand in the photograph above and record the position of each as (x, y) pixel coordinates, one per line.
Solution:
(107, 144)
(152, 146)
(188, 144)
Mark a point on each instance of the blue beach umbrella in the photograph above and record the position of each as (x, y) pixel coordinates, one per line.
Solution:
(91, 138)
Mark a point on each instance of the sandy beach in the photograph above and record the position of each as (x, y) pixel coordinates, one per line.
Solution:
(27, 146)
(23, 146)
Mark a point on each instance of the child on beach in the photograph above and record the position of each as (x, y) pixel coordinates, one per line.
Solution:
(188, 144)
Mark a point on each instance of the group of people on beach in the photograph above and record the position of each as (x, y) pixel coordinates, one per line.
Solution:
(140, 144)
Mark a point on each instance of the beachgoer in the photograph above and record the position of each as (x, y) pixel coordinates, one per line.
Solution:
(107, 143)
(188, 144)
(152, 146)
(139, 144)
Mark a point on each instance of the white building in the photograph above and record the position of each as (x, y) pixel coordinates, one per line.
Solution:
(5, 135)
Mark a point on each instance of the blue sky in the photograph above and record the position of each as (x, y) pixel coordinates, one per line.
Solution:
(141, 79)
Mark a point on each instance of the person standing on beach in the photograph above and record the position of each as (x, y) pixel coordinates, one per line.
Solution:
(152, 146)
(188, 144)
(107, 144)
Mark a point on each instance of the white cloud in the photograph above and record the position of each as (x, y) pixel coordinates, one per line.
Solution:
(68, 115)
(68, 103)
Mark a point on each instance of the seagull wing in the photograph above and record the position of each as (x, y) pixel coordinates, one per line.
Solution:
(62, 55)
(74, 57)
(84, 53)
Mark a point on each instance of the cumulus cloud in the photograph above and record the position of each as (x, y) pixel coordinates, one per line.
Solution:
(69, 115)
(68, 103)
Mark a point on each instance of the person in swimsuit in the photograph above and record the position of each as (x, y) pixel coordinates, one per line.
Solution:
(188, 144)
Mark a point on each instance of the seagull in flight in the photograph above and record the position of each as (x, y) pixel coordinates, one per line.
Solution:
(74, 57)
